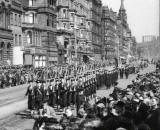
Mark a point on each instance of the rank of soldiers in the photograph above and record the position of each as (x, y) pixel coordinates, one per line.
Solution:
(69, 90)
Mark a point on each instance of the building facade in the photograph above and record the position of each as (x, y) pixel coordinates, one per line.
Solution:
(126, 41)
(79, 29)
(109, 34)
(16, 27)
(96, 28)
(6, 37)
(34, 29)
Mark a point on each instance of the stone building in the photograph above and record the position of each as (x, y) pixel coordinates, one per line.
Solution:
(149, 49)
(95, 24)
(109, 34)
(79, 29)
(125, 38)
(16, 27)
(39, 32)
(6, 37)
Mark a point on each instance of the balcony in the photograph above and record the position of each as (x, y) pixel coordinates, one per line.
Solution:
(47, 10)
(63, 19)
(37, 26)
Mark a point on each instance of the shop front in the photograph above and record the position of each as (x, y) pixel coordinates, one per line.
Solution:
(35, 57)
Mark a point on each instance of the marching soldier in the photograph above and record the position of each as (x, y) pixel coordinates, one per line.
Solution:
(30, 94)
(126, 72)
(51, 89)
(38, 96)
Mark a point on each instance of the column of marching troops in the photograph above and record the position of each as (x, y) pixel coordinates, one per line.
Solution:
(71, 90)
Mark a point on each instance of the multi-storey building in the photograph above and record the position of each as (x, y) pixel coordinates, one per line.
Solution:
(16, 27)
(95, 23)
(78, 29)
(124, 34)
(109, 34)
(39, 32)
(6, 37)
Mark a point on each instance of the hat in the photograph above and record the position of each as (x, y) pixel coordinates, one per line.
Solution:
(37, 81)
(120, 104)
(30, 81)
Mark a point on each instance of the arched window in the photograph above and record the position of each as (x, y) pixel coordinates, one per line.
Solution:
(29, 37)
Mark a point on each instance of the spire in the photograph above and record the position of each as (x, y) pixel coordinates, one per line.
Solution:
(122, 5)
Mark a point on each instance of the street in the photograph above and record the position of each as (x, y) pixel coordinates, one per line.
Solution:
(13, 101)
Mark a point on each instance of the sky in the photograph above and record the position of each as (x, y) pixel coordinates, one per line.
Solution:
(143, 15)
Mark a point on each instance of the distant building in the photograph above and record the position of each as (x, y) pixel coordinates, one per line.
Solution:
(109, 33)
(117, 39)
(126, 41)
(6, 37)
(148, 38)
(149, 49)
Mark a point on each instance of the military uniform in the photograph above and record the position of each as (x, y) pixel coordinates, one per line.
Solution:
(51, 89)
(31, 98)
(38, 96)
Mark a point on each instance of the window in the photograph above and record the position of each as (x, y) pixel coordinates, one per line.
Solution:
(51, 2)
(72, 17)
(8, 50)
(16, 40)
(64, 25)
(29, 37)
(19, 19)
(30, 2)
(29, 18)
(15, 19)
(20, 40)
(11, 18)
(64, 13)
(1, 19)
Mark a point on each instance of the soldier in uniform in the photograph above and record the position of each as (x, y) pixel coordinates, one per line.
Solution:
(57, 90)
(63, 93)
(80, 94)
(126, 72)
(45, 91)
(51, 89)
(38, 96)
(30, 94)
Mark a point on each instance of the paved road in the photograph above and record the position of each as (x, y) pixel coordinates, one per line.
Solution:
(16, 122)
